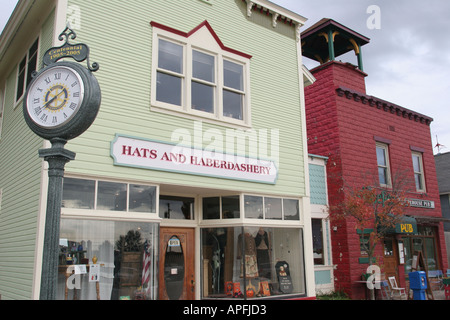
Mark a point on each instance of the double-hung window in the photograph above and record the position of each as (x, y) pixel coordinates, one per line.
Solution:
(194, 74)
(384, 175)
(418, 171)
(26, 67)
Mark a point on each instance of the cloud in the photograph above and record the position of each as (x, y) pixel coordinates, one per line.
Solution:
(407, 59)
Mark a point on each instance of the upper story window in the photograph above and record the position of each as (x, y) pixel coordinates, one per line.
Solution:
(193, 73)
(384, 171)
(418, 171)
(25, 70)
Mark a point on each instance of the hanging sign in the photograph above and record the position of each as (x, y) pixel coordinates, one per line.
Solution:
(153, 155)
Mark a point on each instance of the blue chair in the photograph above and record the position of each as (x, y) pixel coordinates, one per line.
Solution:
(385, 290)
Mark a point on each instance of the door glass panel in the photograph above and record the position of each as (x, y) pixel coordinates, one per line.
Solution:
(430, 255)
(174, 268)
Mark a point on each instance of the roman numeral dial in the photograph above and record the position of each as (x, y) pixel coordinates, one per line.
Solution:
(55, 97)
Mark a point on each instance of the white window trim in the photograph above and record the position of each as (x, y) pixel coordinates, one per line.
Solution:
(201, 40)
(98, 214)
(385, 147)
(422, 173)
(19, 101)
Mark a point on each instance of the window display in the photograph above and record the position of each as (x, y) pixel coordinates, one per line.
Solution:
(107, 260)
(252, 262)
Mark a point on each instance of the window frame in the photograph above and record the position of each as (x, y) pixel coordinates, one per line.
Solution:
(322, 238)
(127, 214)
(421, 173)
(205, 41)
(26, 70)
(387, 167)
(2, 108)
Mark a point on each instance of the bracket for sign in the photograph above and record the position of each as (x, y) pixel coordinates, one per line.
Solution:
(79, 51)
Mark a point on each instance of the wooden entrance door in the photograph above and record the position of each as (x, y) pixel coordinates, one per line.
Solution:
(390, 258)
(176, 264)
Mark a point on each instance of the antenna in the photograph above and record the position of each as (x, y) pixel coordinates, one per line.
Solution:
(438, 145)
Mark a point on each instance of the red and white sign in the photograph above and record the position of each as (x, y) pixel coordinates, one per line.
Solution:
(152, 155)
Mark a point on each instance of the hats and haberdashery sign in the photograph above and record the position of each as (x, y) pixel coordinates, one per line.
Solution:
(147, 154)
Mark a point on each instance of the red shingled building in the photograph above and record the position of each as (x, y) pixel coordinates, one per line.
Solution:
(364, 136)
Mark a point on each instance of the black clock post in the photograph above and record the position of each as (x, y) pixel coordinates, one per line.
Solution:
(47, 94)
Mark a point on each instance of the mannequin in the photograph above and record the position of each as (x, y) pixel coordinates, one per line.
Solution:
(263, 248)
(251, 267)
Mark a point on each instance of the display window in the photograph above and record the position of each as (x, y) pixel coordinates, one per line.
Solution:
(107, 260)
(252, 262)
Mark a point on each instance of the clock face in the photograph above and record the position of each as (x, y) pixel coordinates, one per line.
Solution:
(55, 96)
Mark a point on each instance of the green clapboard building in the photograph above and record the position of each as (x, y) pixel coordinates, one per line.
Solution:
(192, 182)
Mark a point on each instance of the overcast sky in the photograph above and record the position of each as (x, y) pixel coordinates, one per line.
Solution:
(407, 59)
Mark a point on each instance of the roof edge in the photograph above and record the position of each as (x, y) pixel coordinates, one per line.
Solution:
(383, 105)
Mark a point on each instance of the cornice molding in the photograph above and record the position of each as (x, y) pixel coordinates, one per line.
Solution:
(380, 104)
(279, 14)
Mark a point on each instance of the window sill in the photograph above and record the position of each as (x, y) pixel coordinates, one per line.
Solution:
(197, 115)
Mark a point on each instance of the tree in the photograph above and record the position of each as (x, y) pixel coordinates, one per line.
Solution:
(375, 211)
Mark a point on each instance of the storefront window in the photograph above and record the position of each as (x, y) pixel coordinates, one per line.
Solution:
(211, 208)
(78, 193)
(253, 207)
(110, 196)
(252, 262)
(173, 207)
(291, 209)
(107, 260)
(273, 208)
(257, 207)
(230, 207)
(221, 207)
(142, 198)
(424, 242)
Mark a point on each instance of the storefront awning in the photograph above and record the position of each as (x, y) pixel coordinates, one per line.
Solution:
(408, 225)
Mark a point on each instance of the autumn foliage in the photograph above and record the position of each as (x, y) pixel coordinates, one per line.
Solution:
(375, 211)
